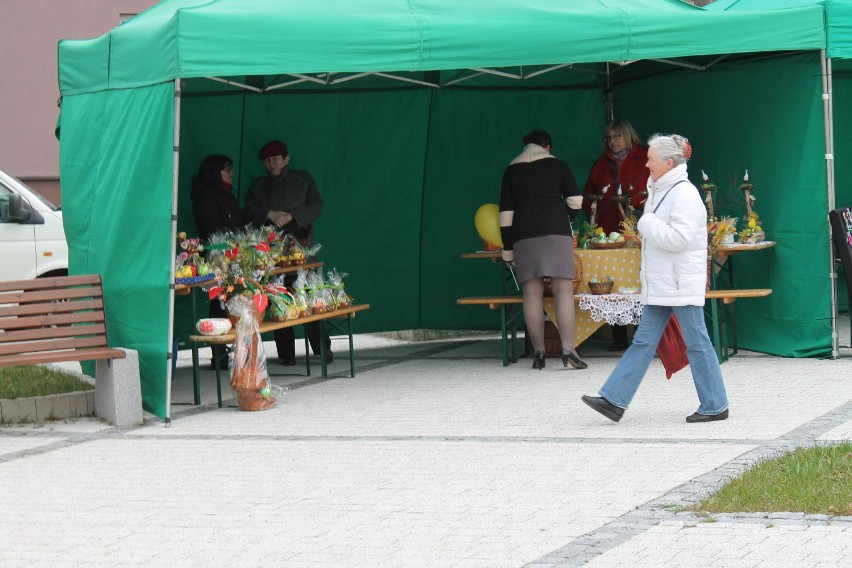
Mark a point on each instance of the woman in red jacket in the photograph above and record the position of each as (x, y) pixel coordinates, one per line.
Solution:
(622, 165)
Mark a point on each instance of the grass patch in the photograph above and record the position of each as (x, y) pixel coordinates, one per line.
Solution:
(808, 480)
(22, 382)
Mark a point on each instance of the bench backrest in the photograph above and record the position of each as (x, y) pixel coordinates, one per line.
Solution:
(52, 314)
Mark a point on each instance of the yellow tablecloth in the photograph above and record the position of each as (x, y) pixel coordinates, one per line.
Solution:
(622, 264)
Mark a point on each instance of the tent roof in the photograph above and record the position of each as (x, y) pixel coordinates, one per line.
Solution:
(838, 18)
(238, 38)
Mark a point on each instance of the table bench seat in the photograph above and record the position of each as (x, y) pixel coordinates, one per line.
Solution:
(508, 317)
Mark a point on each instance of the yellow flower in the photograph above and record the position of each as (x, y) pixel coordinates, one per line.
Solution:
(599, 231)
(752, 223)
(758, 229)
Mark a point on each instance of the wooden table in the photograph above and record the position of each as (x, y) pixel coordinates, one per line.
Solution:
(184, 289)
(267, 326)
(723, 252)
(728, 313)
(622, 264)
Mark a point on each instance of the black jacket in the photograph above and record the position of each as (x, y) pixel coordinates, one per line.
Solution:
(215, 209)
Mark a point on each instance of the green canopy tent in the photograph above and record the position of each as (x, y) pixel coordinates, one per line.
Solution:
(837, 96)
(405, 112)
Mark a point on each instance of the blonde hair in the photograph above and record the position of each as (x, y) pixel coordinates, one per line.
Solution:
(625, 129)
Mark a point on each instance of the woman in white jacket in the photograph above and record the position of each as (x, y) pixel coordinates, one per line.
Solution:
(674, 278)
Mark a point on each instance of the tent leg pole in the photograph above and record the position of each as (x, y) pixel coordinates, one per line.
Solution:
(828, 127)
(610, 111)
(175, 164)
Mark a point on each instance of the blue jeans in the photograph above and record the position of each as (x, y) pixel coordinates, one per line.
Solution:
(622, 384)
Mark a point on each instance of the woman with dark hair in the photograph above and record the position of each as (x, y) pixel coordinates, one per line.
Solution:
(535, 225)
(215, 209)
(214, 205)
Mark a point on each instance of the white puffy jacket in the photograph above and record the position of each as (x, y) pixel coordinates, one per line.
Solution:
(674, 242)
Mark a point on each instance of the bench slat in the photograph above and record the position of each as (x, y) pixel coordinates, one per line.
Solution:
(488, 300)
(745, 293)
(45, 320)
(53, 282)
(52, 345)
(53, 332)
(50, 308)
(91, 354)
(52, 295)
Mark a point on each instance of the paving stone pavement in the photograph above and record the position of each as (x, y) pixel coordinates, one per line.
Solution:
(434, 455)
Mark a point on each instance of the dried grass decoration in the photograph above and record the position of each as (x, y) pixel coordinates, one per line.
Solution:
(249, 378)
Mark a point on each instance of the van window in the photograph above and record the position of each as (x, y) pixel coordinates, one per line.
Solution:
(4, 204)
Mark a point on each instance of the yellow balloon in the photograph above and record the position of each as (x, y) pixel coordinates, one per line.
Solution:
(487, 222)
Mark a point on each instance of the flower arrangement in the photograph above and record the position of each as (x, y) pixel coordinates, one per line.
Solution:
(591, 230)
(631, 231)
(719, 232)
(190, 267)
(242, 263)
(596, 237)
(753, 233)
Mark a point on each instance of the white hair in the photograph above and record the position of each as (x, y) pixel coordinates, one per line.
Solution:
(671, 147)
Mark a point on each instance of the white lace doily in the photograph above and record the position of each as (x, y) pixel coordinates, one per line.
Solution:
(615, 309)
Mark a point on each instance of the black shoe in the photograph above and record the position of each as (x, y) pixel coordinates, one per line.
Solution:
(576, 362)
(707, 417)
(329, 356)
(603, 406)
(539, 360)
(617, 346)
(288, 362)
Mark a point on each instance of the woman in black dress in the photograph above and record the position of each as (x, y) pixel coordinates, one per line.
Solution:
(535, 225)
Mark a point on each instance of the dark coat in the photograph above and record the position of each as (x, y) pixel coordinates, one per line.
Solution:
(215, 209)
(293, 191)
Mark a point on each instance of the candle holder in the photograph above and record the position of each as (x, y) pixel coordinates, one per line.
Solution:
(709, 190)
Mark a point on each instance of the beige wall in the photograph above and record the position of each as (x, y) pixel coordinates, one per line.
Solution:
(29, 33)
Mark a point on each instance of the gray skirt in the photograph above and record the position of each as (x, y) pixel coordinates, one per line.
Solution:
(551, 255)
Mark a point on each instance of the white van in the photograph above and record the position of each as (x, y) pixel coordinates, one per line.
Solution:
(32, 238)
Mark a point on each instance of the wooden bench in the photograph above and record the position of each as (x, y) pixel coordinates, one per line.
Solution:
(267, 326)
(60, 319)
(719, 317)
(509, 315)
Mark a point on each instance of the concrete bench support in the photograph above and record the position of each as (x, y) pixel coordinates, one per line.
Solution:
(118, 390)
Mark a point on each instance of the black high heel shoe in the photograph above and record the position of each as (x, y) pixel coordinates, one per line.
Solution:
(539, 360)
(576, 362)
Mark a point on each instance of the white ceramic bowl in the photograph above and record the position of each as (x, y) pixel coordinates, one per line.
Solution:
(213, 326)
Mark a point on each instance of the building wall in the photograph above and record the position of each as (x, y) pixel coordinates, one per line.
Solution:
(30, 31)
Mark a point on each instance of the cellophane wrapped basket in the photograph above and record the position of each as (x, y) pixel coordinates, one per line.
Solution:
(249, 378)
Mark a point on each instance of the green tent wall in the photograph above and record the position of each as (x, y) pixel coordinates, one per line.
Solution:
(403, 168)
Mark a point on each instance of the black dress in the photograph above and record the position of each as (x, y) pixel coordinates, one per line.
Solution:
(540, 232)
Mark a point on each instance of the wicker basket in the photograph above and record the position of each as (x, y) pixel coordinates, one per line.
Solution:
(578, 277)
(578, 271)
(252, 400)
(599, 288)
(607, 245)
